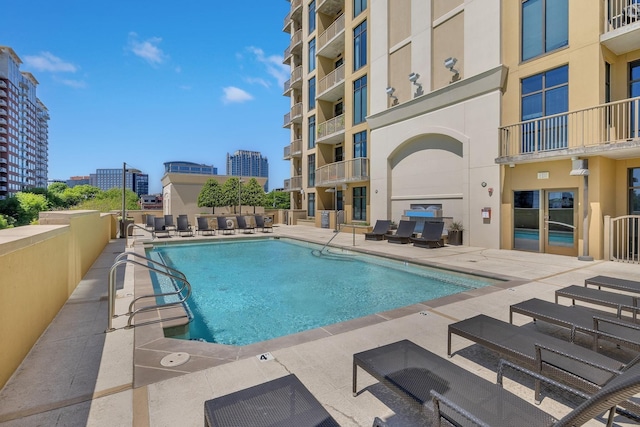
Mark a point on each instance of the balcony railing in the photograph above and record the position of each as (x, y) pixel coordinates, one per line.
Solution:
(296, 77)
(355, 170)
(329, 85)
(330, 128)
(3, 93)
(293, 184)
(573, 132)
(296, 40)
(3, 112)
(293, 150)
(328, 43)
(621, 25)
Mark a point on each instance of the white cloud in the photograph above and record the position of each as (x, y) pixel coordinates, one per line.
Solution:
(147, 49)
(235, 95)
(46, 61)
(76, 84)
(273, 63)
(258, 81)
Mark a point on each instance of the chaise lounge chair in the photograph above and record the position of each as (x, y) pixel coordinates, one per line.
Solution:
(281, 402)
(599, 297)
(263, 223)
(168, 223)
(242, 224)
(444, 390)
(203, 227)
(159, 229)
(225, 225)
(598, 324)
(380, 230)
(150, 223)
(565, 362)
(613, 283)
(403, 233)
(431, 236)
(183, 229)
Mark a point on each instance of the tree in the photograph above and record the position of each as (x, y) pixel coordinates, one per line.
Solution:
(57, 187)
(6, 221)
(231, 191)
(277, 200)
(253, 194)
(79, 194)
(31, 205)
(211, 195)
(110, 200)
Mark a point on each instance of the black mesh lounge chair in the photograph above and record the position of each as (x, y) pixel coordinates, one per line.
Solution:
(598, 324)
(613, 283)
(261, 222)
(168, 223)
(150, 223)
(281, 402)
(445, 390)
(403, 233)
(621, 302)
(431, 236)
(242, 224)
(380, 230)
(183, 229)
(159, 229)
(226, 225)
(203, 226)
(565, 362)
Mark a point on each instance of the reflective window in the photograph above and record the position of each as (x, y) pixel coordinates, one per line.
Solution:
(360, 144)
(312, 131)
(360, 203)
(359, 6)
(360, 46)
(312, 93)
(312, 55)
(360, 100)
(545, 26)
(312, 16)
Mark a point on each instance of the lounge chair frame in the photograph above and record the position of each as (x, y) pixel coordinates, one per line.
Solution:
(183, 228)
(380, 231)
(265, 223)
(243, 225)
(224, 227)
(599, 297)
(404, 232)
(431, 236)
(613, 283)
(159, 228)
(284, 401)
(203, 227)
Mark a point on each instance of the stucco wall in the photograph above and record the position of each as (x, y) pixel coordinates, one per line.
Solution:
(41, 266)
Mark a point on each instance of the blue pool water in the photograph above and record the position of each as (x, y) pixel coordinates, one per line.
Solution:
(251, 291)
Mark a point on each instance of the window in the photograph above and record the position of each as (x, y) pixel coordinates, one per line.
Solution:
(311, 204)
(312, 55)
(360, 144)
(312, 132)
(360, 203)
(312, 93)
(634, 91)
(634, 191)
(359, 6)
(312, 16)
(545, 26)
(360, 46)
(311, 170)
(545, 94)
(607, 82)
(338, 154)
(359, 100)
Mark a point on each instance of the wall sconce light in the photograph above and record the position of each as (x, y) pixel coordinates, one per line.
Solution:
(413, 78)
(449, 63)
(483, 184)
(490, 189)
(390, 91)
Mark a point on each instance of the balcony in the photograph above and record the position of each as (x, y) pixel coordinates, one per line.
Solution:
(621, 26)
(609, 130)
(331, 131)
(3, 121)
(3, 161)
(330, 7)
(293, 184)
(293, 150)
(3, 139)
(295, 46)
(3, 149)
(331, 41)
(3, 84)
(3, 93)
(294, 116)
(355, 170)
(3, 170)
(3, 130)
(3, 188)
(3, 179)
(331, 86)
(295, 82)
(3, 103)
(3, 112)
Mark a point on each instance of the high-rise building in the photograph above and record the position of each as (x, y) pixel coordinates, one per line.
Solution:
(78, 180)
(24, 128)
(135, 180)
(248, 163)
(189, 167)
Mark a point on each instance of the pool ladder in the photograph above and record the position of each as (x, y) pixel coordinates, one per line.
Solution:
(165, 271)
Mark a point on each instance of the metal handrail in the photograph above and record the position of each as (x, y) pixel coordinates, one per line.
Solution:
(126, 233)
(112, 289)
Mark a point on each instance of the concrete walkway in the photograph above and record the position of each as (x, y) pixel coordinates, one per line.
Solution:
(77, 375)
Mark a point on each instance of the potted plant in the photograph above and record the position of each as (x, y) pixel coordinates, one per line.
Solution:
(455, 233)
(394, 225)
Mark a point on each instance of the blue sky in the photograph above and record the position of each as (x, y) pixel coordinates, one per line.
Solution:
(150, 81)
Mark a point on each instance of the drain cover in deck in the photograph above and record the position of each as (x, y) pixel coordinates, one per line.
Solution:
(175, 359)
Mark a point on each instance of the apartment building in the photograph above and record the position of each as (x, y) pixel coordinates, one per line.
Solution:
(24, 128)
(189, 167)
(249, 164)
(328, 147)
(135, 180)
(569, 148)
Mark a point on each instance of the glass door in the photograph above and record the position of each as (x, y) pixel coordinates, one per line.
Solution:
(560, 222)
(526, 220)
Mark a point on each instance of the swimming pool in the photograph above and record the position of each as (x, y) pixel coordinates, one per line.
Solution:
(258, 289)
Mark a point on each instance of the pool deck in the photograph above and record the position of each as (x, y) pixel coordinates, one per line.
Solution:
(78, 375)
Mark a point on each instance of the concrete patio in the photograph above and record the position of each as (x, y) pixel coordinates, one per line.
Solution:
(79, 375)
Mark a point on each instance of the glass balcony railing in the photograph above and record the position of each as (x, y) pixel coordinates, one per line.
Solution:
(330, 128)
(355, 170)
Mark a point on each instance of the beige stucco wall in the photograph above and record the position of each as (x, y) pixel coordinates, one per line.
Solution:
(41, 266)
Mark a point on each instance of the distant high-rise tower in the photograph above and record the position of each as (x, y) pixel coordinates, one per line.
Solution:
(24, 128)
(135, 180)
(248, 163)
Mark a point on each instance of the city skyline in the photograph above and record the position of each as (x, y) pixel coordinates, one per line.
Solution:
(145, 84)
